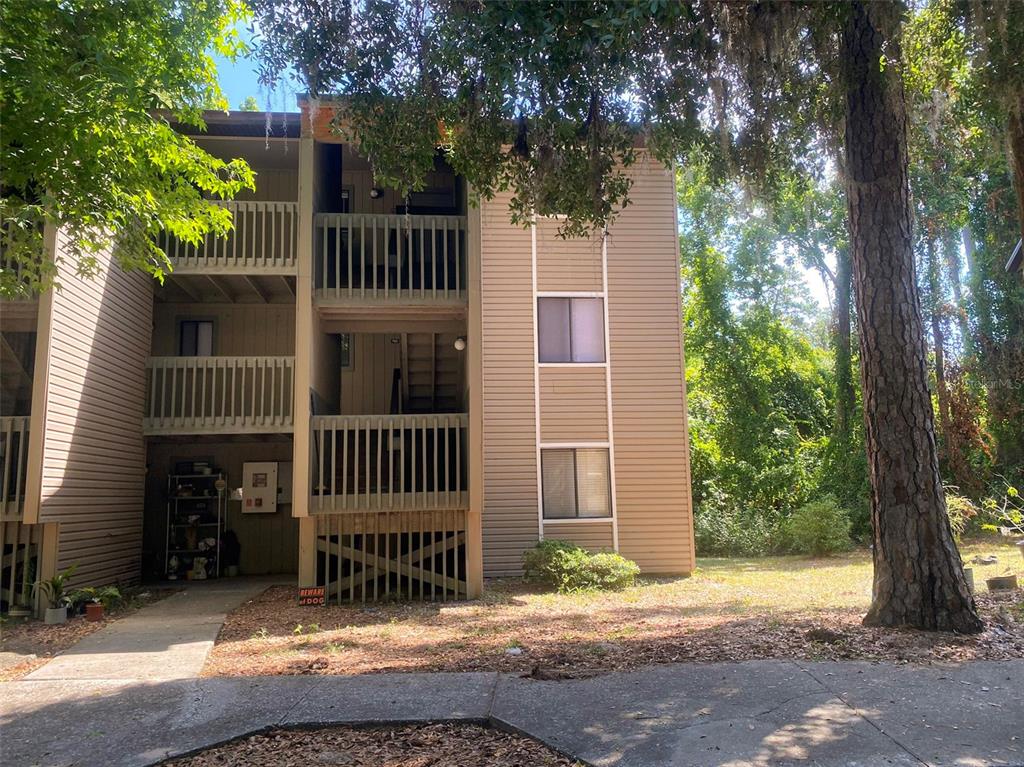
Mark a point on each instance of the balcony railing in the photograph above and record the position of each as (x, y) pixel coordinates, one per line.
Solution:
(389, 462)
(219, 395)
(264, 240)
(13, 463)
(364, 258)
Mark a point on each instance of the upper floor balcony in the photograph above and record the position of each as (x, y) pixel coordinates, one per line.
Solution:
(219, 395)
(264, 241)
(365, 260)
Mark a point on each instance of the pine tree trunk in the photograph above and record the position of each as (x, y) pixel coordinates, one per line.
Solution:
(842, 431)
(949, 437)
(1016, 142)
(918, 576)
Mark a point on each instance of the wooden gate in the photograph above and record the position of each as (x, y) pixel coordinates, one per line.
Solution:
(392, 555)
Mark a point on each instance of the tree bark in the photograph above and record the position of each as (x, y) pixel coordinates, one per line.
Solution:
(842, 431)
(918, 576)
(1016, 142)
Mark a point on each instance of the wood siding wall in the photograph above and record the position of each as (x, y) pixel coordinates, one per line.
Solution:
(269, 542)
(648, 394)
(94, 455)
(366, 386)
(239, 330)
(509, 436)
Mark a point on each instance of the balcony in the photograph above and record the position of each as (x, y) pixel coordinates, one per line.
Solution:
(219, 395)
(264, 241)
(389, 463)
(13, 464)
(368, 260)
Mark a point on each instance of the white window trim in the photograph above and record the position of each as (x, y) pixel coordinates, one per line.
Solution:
(599, 445)
(607, 365)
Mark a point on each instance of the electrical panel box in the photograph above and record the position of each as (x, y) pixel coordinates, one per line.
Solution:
(259, 487)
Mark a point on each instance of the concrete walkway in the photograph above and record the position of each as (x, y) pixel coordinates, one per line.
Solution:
(691, 715)
(169, 639)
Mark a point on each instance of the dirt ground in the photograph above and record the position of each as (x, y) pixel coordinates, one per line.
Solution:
(27, 645)
(731, 609)
(454, 745)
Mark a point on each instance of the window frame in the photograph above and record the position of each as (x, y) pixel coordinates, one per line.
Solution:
(605, 448)
(571, 296)
(183, 321)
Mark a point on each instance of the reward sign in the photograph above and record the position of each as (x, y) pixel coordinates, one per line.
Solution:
(313, 596)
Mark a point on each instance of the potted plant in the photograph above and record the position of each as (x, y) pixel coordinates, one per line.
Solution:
(52, 590)
(95, 600)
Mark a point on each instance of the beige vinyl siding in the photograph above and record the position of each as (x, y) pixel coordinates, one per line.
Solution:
(648, 397)
(566, 264)
(239, 330)
(573, 404)
(94, 455)
(595, 536)
(509, 427)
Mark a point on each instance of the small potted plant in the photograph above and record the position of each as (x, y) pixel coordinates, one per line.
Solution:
(52, 590)
(95, 600)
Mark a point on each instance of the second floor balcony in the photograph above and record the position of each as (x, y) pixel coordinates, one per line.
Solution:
(390, 260)
(219, 395)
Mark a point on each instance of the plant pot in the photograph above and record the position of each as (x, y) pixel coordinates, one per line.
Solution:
(94, 612)
(55, 616)
(1002, 583)
(969, 575)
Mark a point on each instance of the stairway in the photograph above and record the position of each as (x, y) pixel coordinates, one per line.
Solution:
(433, 379)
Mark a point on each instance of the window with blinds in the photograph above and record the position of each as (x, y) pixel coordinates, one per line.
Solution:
(195, 338)
(570, 329)
(576, 483)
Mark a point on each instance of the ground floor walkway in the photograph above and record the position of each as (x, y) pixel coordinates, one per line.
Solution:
(130, 695)
(754, 713)
(169, 639)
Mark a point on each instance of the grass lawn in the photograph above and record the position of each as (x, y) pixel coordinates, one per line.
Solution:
(731, 609)
(451, 745)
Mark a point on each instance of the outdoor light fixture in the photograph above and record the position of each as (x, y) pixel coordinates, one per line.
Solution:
(460, 344)
(375, 192)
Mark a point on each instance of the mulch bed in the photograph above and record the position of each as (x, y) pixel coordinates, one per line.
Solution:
(272, 635)
(38, 643)
(437, 745)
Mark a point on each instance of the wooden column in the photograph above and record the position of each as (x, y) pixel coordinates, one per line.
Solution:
(474, 371)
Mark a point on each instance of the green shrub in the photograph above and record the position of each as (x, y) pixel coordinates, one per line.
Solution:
(568, 567)
(819, 528)
(960, 511)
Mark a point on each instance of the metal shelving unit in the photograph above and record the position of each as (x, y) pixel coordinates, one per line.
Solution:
(194, 504)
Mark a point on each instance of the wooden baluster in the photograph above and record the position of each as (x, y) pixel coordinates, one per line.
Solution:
(366, 449)
(334, 464)
(337, 259)
(344, 464)
(379, 484)
(423, 261)
(321, 447)
(8, 452)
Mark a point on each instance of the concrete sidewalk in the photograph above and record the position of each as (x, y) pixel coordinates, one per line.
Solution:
(692, 715)
(169, 639)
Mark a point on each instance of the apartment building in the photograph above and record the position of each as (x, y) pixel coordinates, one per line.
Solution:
(387, 396)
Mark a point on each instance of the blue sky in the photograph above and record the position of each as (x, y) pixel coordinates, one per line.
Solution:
(238, 80)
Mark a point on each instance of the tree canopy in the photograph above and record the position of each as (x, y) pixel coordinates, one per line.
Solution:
(87, 89)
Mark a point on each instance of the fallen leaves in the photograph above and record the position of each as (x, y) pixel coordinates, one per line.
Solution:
(441, 745)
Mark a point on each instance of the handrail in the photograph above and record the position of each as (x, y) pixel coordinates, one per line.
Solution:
(264, 238)
(14, 443)
(389, 258)
(378, 462)
(219, 394)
